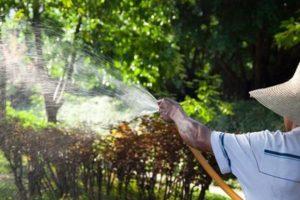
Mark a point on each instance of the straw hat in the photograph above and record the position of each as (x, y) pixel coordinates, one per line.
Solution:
(283, 99)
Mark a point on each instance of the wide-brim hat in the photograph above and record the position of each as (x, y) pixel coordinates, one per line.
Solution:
(283, 99)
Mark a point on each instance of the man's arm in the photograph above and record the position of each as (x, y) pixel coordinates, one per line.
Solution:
(192, 132)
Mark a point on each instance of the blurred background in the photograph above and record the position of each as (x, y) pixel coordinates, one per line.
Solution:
(206, 54)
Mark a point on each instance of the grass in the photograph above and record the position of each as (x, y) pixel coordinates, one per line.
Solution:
(212, 196)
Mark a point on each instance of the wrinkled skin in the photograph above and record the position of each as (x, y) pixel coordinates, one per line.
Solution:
(192, 132)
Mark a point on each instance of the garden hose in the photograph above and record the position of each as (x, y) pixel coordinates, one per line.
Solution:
(213, 174)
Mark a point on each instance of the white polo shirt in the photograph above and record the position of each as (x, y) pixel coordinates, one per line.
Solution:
(267, 164)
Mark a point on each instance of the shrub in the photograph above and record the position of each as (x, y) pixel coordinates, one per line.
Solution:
(245, 118)
(73, 163)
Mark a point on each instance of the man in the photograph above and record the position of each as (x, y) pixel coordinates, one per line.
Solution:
(267, 164)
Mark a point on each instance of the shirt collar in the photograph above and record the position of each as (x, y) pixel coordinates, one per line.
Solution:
(296, 129)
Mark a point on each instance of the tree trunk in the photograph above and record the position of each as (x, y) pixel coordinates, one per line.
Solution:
(261, 59)
(258, 61)
(50, 105)
(204, 188)
(99, 181)
(53, 102)
(15, 160)
(2, 82)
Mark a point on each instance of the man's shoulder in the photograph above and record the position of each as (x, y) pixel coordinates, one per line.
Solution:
(278, 143)
(276, 139)
(266, 136)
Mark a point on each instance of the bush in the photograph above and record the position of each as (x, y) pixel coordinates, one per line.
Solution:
(59, 163)
(47, 161)
(249, 116)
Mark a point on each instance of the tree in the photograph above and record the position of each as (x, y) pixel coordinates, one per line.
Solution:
(238, 46)
(139, 37)
(175, 48)
(4, 9)
(290, 37)
(36, 11)
(2, 84)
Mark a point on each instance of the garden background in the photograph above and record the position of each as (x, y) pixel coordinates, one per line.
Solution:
(206, 54)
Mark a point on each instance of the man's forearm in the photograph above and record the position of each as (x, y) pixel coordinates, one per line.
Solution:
(193, 132)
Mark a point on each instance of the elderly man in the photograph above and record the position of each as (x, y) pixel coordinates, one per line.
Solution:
(267, 164)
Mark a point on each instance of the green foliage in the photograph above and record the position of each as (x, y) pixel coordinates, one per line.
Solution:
(245, 119)
(164, 45)
(291, 35)
(7, 189)
(28, 119)
(140, 39)
(208, 103)
(212, 196)
(4, 165)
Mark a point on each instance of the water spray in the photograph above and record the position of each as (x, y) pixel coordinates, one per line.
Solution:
(69, 78)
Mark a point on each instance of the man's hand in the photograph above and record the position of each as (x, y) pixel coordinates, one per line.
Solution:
(170, 110)
(192, 132)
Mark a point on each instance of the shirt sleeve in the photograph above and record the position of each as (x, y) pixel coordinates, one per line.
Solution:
(233, 152)
(217, 143)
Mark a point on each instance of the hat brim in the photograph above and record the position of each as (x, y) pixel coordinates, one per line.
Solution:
(282, 99)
